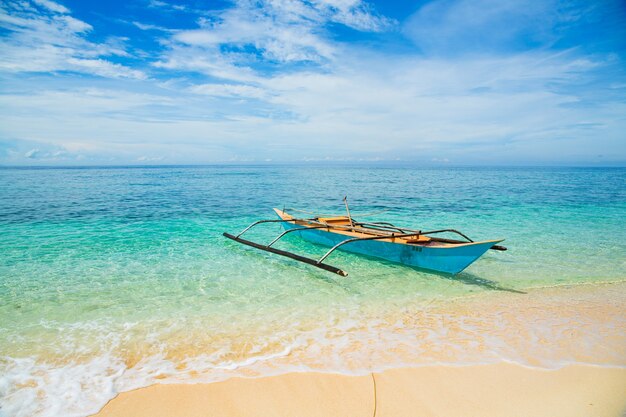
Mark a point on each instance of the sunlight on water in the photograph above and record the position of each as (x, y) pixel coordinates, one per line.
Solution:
(111, 279)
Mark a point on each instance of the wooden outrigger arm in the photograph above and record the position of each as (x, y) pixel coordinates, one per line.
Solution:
(295, 230)
(271, 221)
(291, 255)
(269, 248)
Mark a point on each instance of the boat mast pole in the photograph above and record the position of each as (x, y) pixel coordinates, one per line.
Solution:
(345, 200)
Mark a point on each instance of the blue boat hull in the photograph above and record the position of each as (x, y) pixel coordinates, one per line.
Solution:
(447, 259)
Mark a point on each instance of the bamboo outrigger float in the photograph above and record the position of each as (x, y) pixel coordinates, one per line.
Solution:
(378, 239)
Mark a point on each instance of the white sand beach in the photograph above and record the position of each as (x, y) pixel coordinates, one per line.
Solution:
(500, 390)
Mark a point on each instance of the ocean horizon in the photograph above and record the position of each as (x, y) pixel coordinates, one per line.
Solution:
(374, 163)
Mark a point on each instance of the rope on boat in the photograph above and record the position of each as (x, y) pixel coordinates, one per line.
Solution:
(331, 215)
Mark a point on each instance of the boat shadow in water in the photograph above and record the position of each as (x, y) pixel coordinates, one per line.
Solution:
(462, 277)
(471, 279)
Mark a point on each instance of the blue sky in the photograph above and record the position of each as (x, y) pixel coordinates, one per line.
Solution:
(434, 82)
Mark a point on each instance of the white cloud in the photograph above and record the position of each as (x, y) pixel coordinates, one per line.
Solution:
(230, 90)
(353, 13)
(29, 152)
(75, 25)
(145, 26)
(276, 40)
(447, 27)
(144, 158)
(209, 62)
(44, 42)
(103, 68)
(275, 31)
(52, 6)
(165, 5)
(32, 153)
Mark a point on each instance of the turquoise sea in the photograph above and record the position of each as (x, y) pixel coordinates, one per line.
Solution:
(116, 278)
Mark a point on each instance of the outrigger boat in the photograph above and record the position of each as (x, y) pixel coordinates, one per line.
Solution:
(383, 240)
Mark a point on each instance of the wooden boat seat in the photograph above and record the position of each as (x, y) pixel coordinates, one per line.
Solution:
(338, 221)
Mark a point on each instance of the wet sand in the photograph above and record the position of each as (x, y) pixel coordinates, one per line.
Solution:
(500, 390)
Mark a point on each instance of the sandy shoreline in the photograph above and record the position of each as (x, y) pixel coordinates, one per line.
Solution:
(587, 321)
(480, 390)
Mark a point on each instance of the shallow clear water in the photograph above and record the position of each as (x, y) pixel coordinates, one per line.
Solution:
(120, 276)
